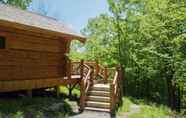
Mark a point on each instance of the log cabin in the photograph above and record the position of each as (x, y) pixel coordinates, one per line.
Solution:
(33, 50)
(33, 55)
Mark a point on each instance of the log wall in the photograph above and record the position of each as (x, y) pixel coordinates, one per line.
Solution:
(30, 62)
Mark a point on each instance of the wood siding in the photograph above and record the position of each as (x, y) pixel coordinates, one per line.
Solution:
(29, 62)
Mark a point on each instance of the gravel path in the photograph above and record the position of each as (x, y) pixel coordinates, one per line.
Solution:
(92, 114)
(87, 114)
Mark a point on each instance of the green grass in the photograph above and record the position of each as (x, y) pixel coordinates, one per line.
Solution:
(147, 109)
(153, 111)
(44, 106)
(75, 91)
(126, 105)
(37, 107)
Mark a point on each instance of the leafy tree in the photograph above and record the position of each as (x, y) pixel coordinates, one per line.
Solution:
(100, 45)
(154, 28)
(19, 3)
(147, 37)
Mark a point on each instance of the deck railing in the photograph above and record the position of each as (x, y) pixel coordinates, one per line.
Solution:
(90, 71)
(114, 77)
(116, 89)
(85, 85)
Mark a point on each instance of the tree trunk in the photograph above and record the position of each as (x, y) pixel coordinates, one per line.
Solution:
(169, 90)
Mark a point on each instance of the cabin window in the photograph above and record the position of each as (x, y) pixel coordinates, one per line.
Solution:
(2, 42)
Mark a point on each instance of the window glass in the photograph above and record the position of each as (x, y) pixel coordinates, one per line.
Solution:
(2, 42)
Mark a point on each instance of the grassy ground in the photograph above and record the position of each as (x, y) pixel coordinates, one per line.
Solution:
(147, 110)
(126, 105)
(75, 92)
(37, 107)
(42, 105)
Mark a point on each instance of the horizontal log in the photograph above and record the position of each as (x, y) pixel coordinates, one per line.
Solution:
(16, 85)
(22, 57)
(22, 72)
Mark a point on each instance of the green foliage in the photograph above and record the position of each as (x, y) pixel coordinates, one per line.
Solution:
(126, 105)
(38, 107)
(65, 90)
(146, 109)
(153, 111)
(149, 35)
(99, 46)
(148, 38)
(19, 3)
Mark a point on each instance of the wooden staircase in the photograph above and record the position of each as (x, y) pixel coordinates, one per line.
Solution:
(100, 87)
(98, 98)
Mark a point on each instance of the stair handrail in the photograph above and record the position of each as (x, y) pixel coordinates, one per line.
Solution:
(85, 84)
(87, 78)
(102, 72)
(89, 70)
(72, 67)
(116, 89)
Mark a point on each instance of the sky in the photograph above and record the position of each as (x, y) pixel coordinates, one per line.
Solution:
(75, 13)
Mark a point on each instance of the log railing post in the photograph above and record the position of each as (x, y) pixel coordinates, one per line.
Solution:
(82, 86)
(82, 96)
(92, 75)
(69, 68)
(105, 75)
(112, 97)
(97, 68)
(82, 68)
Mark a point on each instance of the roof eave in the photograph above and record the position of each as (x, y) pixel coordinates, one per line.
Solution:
(41, 30)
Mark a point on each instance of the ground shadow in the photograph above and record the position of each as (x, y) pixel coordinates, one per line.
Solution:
(43, 104)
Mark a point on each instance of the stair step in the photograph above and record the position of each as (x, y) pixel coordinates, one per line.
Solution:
(98, 104)
(97, 109)
(99, 98)
(101, 87)
(99, 93)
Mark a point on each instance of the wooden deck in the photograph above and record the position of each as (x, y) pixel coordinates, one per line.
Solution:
(73, 77)
(16, 85)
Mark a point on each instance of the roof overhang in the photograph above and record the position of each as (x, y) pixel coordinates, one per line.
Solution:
(42, 31)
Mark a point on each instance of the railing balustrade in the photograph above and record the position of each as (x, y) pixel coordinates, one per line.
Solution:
(89, 71)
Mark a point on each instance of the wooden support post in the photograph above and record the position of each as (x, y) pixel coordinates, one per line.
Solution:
(57, 88)
(82, 89)
(70, 91)
(82, 96)
(105, 75)
(112, 98)
(97, 69)
(69, 69)
(92, 75)
(81, 68)
(29, 93)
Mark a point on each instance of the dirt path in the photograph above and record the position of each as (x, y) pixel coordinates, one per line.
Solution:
(92, 114)
(86, 114)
